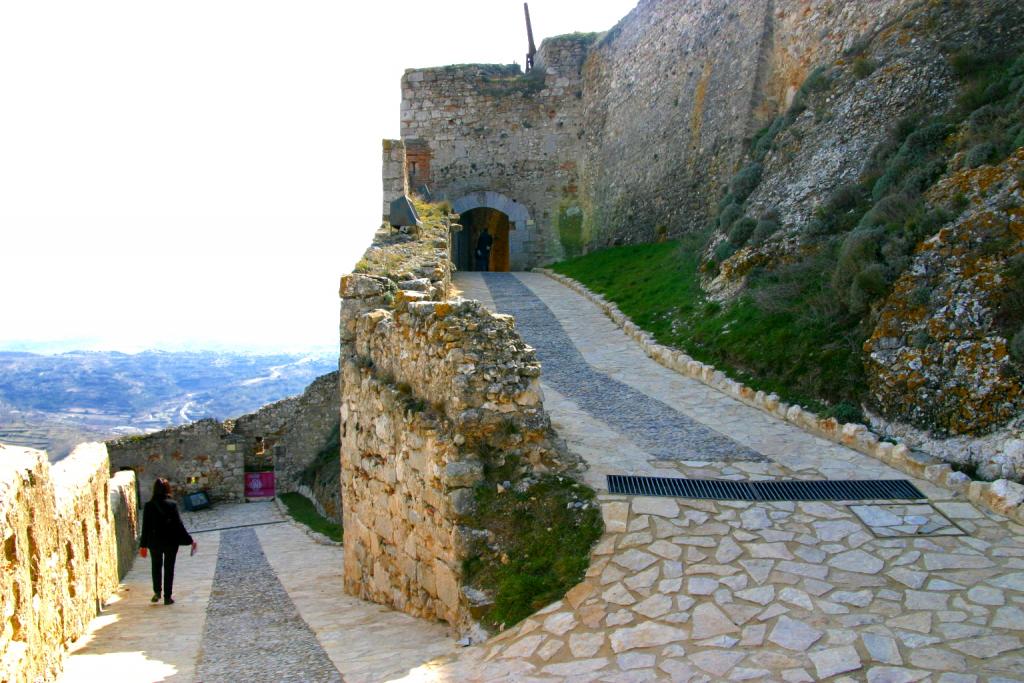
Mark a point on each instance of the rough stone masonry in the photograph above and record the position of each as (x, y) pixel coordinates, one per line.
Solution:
(427, 387)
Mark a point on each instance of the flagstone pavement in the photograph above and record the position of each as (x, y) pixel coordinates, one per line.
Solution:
(677, 590)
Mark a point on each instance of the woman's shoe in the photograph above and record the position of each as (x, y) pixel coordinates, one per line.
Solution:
(155, 598)
(168, 601)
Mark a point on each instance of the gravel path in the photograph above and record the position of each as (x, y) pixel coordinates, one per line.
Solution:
(253, 630)
(662, 431)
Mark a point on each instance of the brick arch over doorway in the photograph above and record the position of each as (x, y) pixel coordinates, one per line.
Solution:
(520, 225)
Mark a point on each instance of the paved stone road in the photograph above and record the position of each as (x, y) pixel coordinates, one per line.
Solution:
(252, 628)
(659, 429)
(259, 601)
(690, 590)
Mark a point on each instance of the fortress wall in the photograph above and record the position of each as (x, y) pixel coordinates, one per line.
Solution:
(293, 431)
(492, 128)
(636, 134)
(202, 455)
(667, 94)
(211, 456)
(61, 546)
(432, 393)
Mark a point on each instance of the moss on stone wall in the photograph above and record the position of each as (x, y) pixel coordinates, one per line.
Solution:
(570, 229)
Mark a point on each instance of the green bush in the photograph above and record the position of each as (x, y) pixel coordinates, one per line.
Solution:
(764, 141)
(730, 214)
(724, 250)
(741, 231)
(980, 154)
(864, 67)
(767, 226)
(873, 280)
(845, 412)
(1017, 346)
(919, 148)
(745, 181)
(858, 250)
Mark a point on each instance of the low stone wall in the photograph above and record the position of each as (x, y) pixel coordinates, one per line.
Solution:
(1002, 496)
(213, 456)
(125, 508)
(61, 552)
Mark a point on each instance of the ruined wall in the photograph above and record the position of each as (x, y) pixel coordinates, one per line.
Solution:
(212, 456)
(394, 174)
(199, 456)
(60, 553)
(492, 128)
(433, 394)
(291, 431)
(125, 508)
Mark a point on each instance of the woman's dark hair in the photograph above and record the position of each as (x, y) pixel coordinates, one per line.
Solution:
(161, 489)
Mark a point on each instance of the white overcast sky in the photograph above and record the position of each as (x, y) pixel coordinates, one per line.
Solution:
(200, 173)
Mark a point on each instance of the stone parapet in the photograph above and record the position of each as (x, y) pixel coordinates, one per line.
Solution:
(1001, 496)
(68, 531)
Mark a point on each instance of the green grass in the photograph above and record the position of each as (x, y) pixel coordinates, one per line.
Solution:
(802, 351)
(539, 545)
(301, 509)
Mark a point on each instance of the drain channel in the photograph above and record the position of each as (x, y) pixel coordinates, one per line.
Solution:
(721, 489)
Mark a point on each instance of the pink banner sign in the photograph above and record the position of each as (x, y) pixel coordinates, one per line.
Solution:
(259, 484)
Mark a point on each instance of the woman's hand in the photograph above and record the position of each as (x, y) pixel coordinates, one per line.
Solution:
(194, 546)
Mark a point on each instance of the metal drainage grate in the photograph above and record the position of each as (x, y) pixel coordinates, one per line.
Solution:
(719, 489)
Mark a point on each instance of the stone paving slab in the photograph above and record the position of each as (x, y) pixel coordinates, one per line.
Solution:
(134, 640)
(367, 642)
(690, 590)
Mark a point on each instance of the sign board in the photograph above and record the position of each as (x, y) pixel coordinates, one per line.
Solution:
(259, 484)
(197, 500)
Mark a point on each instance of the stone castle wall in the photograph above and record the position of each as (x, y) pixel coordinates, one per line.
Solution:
(490, 128)
(64, 550)
(633, 134)
(212, 456)
(429, 389)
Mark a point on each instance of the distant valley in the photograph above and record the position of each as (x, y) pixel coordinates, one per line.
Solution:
(55, 401)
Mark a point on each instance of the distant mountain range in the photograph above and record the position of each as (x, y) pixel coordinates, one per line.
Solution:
(54, 401)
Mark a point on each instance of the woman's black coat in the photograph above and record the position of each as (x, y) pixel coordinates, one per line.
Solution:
(162, 526)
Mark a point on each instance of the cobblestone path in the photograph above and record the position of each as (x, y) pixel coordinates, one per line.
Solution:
(659, 429)
(253, 630)
(695, 590)
(257, 603)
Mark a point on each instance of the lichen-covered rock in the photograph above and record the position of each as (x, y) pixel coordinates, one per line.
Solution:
(936, 358)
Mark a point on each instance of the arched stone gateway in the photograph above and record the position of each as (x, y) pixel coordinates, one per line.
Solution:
(507, 220)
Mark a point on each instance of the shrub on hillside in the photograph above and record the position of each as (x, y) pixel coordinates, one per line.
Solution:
(1017, 346)
(745, 182)
(767, 226)
(730, 214)
(741, 231)
(980, 154)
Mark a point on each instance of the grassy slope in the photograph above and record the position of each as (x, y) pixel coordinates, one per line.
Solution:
(301, 509)
(657, 285)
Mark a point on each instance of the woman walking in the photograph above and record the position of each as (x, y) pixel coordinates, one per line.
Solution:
(162, 533)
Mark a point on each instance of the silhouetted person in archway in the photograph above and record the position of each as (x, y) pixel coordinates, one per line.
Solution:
(483, 250)
(162, 533)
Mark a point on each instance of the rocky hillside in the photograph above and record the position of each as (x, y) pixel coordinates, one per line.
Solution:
(887, 200)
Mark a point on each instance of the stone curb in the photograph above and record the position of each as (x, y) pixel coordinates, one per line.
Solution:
(1002, 496)
(316, 536)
